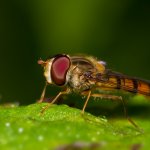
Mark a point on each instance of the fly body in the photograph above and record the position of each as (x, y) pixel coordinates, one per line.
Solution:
(85, 74)
(78, 73)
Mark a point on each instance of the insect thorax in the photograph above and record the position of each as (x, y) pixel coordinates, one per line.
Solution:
(77, 81)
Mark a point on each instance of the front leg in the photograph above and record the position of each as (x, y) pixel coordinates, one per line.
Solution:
(43, 94)
(67, 91)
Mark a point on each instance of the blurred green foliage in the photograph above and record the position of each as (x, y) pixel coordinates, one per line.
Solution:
(115, 31)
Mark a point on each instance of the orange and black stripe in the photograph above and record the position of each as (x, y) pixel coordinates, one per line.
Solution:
(126, 83)
(115, 80)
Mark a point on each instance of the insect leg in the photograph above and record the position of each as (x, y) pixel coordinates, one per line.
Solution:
(113, 97)
(88, 93)
(129, 119)
(43, 94)
(105, 96)
(55, 99)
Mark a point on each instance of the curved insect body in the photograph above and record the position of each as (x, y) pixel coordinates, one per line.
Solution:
(82, 74)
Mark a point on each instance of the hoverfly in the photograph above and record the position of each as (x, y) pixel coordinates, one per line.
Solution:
(85, 75)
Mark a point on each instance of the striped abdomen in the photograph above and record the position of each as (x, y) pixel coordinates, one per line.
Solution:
(134, 85)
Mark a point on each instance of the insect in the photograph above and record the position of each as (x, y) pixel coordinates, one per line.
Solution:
(87, 76)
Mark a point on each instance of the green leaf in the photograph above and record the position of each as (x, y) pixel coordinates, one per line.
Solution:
(62, 127)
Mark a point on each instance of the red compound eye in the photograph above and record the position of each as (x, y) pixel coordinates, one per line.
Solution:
(59, 69)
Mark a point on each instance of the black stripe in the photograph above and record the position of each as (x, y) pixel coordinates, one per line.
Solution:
(149, 89)
(135, 85)
(118, 82)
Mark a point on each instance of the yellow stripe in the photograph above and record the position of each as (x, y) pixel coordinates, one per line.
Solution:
(129, 84)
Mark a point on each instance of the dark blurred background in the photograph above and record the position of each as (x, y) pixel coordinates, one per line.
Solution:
(117, 32)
